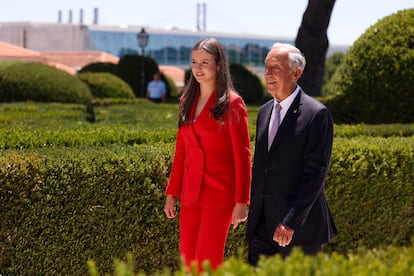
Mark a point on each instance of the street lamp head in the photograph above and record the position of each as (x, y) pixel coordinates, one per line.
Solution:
(142, 38)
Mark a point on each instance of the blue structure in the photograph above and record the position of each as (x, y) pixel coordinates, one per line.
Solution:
(165, 46)
(173, 47)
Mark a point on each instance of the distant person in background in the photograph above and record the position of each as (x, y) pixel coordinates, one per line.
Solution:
(156, 89)
(211, 170)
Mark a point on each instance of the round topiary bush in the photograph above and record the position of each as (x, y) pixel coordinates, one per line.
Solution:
(129, 68)
(23, 81)
(246, 83)
(107, 85)
(375, 82)
(331, 64)
(100, 67)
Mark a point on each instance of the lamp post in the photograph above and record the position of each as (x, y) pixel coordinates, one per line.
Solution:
(142, 37)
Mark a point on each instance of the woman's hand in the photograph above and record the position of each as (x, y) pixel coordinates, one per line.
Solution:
(169, 207)
(239, 214)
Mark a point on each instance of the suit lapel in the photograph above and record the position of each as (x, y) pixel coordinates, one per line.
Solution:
(204, 118)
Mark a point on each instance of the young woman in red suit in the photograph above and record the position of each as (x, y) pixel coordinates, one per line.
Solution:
(211, 169)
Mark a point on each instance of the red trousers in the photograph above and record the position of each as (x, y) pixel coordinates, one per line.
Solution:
(203, 235)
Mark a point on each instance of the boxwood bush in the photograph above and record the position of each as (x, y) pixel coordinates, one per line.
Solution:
(375, 81)
(98, 67)
(106, 85)
(386, 261)
(23, 81)
(61, 207)
(129, 68)
(78, 204)
(247, 84)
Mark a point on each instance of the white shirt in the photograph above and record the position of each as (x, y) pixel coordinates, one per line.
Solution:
(286, 103)
(156, 89)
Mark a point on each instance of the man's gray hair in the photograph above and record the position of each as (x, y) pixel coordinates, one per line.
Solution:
(296, 57)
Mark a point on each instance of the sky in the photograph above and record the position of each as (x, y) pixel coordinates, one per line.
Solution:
(279, 19)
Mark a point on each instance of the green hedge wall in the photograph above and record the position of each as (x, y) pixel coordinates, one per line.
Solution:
(62, 206)
(387, 261)
(370, 188)
(106, 85)
(20, 137)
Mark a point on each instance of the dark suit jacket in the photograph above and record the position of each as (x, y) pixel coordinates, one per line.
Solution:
(288, 181)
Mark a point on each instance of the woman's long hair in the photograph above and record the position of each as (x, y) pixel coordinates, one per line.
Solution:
(224, 84)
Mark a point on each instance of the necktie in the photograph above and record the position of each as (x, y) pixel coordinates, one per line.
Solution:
(273, 124)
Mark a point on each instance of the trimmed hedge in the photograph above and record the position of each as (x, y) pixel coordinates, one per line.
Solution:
(375, 82)
(84, 203)
(98, 67)
(331, 64)
(64, 206)
(370, 191)
(20, 137)
(247, 84)
(129, 68)
(386, 261)
(107, 85)
(23, 81)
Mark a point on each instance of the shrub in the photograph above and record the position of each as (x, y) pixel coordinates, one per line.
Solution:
(14, 194)
(172, 90)
(129, 68)
(331, 64)
(66, 205)
(23, 81)
(370, 192)
(375, 82)
(385, 261)
(246, 83)
(106, 85)
(89, 203)
(98, 67)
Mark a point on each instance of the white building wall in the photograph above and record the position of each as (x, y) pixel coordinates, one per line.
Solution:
(46, 37)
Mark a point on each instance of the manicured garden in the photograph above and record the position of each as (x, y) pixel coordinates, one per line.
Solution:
(73, 191)
(84, 164)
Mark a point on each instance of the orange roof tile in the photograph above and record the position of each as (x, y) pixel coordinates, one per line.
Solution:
(177, 74)
(62, 67)
(10, 52)
(77, 60)
(73, 61)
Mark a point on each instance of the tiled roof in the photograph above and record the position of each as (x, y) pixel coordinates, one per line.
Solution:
(63, 67)
(67, 61)
(175, 73)
(10, 52)
(73, 61)
(77, 60)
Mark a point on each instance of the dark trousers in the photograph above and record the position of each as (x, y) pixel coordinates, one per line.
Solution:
(260, 245)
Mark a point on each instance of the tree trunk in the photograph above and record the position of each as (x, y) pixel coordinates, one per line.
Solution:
(312, 40)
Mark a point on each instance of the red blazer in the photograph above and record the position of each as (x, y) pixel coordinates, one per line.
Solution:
(212, 160)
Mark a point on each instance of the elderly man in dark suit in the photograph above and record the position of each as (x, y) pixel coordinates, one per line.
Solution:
(292, 153)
